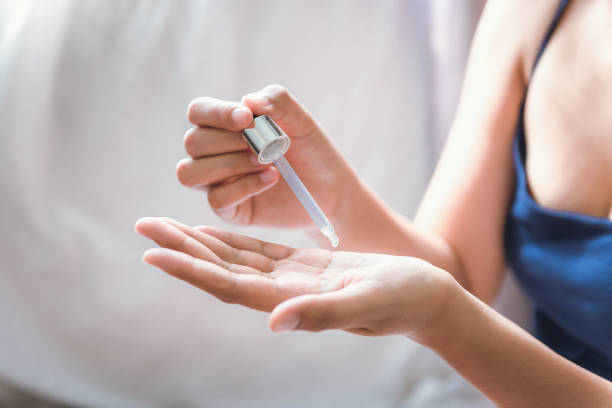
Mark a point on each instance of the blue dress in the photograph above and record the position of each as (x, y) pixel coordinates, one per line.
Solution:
(563, 260)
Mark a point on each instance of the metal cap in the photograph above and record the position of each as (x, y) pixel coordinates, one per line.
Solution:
(266, 139)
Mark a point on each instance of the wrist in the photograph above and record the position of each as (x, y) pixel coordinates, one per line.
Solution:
(347, 187)
(446, 314)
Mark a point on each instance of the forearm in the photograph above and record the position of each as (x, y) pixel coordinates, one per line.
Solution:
(507, 364)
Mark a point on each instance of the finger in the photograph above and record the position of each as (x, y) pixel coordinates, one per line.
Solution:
(212, 112)
(243, 188)
(253, 291)
(271, 250)
(215, 169)
(201, 142)
(169, 236)
(280, 105)
(347, 308)
(227, 253)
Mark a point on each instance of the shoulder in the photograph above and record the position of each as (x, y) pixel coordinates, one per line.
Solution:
(516, 28)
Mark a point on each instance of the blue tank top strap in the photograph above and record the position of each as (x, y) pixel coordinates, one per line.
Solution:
(551, 29)
(519, 143)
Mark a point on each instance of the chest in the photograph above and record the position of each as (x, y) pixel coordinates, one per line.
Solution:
(568, 115)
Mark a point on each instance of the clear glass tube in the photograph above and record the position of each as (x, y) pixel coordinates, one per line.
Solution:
(306, 199)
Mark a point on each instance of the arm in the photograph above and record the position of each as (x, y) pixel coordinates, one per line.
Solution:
(374, 295)
(509, 365)
(459, 225)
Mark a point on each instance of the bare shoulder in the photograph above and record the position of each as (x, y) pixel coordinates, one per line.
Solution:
(520, 25)
(503, 51)
(475, 168)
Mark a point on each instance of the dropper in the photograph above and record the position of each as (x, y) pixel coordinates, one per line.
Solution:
(270, 143)
(306, 199)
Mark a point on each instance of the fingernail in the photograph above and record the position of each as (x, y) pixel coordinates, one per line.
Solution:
(152, 253)
(254, 160)
(287, 323)
(241, 115)
(267, 176)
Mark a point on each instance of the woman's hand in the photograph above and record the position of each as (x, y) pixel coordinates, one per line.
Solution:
(242, 191)
(305, 289)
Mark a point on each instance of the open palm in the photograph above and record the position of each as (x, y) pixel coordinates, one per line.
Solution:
(309, 289)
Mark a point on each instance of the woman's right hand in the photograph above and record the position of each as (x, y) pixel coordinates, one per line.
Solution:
(242, 191)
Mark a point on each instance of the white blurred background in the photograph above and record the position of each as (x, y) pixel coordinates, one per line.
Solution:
(93, 96)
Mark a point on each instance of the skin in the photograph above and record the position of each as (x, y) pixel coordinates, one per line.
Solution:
(432, 277)
(307, 289)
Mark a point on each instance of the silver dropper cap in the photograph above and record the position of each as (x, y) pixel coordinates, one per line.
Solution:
(267, 140)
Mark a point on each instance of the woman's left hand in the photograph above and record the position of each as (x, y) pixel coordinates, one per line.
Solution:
(305, 289)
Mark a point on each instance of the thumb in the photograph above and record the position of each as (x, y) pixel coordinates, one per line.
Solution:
(280, 105)
(343, 309)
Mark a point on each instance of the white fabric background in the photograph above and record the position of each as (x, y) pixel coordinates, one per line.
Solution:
(92, 112)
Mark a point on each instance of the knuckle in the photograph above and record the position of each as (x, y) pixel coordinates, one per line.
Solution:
(192, 109)
(226, 298)
(277, 92)
(226, 292)
(236, 255)
(182, 242)
(251, 183)
(189, 141)
(318, 321)
(223, 117)
(214, 200)
(231, 214)
(248, 96)
(182, 172)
